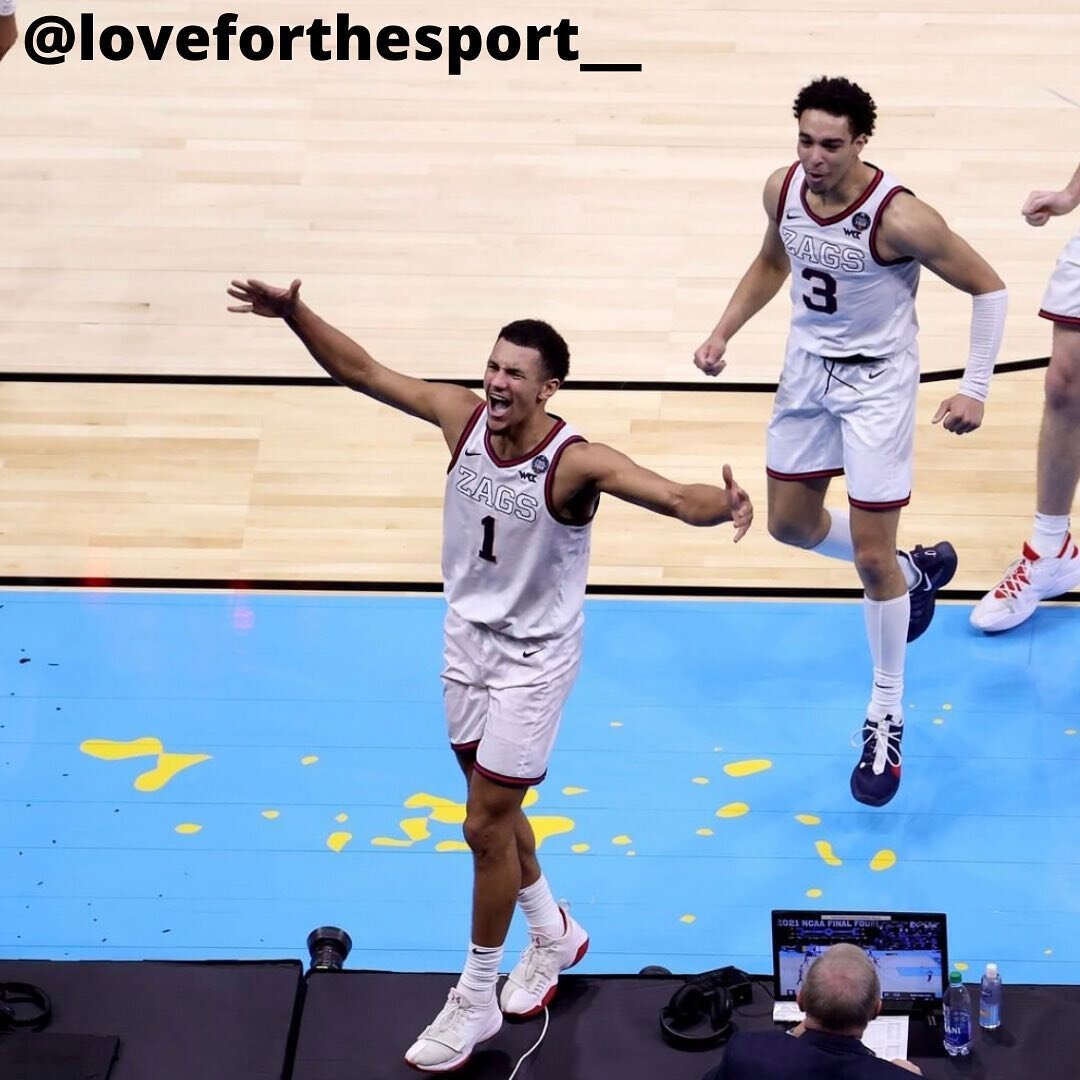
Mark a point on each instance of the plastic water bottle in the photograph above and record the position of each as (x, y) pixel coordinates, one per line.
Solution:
(957, 1017)
(990, 998)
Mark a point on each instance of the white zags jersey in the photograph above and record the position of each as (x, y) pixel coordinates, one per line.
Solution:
(507, 562)
(845, 300)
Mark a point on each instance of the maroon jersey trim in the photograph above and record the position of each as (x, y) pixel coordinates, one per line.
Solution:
(508, 781)
(880, 507)
(816, 475)
(1068, 320)
(870, 189)
(464, 436)
(514, 462)
(549, 485)
(877, 223)
(783, 193)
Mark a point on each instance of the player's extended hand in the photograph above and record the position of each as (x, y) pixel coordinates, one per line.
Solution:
(266, 300)
(1041, 206)
(742, 512)
(960, 413)
(710, 356)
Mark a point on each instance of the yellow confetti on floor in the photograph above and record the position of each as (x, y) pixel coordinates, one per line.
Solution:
(808, 819)
(883, 860)
(948, 708)
(733, 810)
(960, 965)
(109, 750)
(1070, 731)
(271, 815)
(167, 767)
(532, 797)
(1048, 952)
(337, 841)
(451, 845)
(688, 919)
(825, 850)
(341, 818)
(188, 829)
(630, 853)
(616, 723)
(705, 832)
(747, 768)
(939, 720)
(622, 840)
(390, 841)
(546, 827)
(415, 828)
(579, 849)
(444, 811)
(309, 760)
(574, 790)
(700, 780)
(814, 894)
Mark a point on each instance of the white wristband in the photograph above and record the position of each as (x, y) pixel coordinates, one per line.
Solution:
(7, 7)
(987, 329)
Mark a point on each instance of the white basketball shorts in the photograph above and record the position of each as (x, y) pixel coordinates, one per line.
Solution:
(832, 417)
(504, 697)
(1061, 302)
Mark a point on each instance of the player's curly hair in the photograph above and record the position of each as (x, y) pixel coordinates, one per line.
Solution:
(839, 97)
(545, 339)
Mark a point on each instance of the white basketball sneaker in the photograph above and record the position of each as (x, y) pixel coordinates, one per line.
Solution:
(449, 1040)
(532, 983)
(1030, 579)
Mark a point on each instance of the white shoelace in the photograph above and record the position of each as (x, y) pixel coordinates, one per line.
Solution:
(887, 743)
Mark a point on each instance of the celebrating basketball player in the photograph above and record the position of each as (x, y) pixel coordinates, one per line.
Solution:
(1049, 562)
(521, 491)
(853, 240)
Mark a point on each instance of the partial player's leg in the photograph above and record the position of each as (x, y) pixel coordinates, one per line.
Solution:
(1049, 562)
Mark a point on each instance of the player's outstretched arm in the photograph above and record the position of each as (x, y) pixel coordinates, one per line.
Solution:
(756, 287)
(606, 470)
(350, 364)
(9, 33)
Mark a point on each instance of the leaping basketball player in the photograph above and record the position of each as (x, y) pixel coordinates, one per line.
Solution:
(853, 240)
(521, 491)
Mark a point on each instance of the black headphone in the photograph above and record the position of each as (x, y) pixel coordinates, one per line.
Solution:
(23, 1005)
(703, 1000)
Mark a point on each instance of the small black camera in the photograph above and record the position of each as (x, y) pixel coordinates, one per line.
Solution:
(328, 946)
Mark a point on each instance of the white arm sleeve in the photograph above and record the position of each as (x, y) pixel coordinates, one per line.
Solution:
(987, 329)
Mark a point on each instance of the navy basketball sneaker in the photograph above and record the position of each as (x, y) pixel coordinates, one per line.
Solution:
(876, 778)
(936, 565)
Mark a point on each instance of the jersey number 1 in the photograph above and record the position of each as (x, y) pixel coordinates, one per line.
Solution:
(825, 291)
(487, 548)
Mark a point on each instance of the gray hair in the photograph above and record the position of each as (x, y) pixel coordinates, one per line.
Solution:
(841, 990)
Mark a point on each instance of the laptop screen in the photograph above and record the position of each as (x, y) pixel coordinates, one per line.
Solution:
(909, 950)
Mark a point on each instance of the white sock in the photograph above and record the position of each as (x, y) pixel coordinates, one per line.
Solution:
(837, 543)
(912, 574)
(542, 913)
(1048, 533)
(886, 632)
(477, 982)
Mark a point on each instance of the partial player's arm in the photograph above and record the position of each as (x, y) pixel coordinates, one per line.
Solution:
(756, 288)
(911, 228)
(1041, 206)
(594, 467)
(448, 407)
(9, 32)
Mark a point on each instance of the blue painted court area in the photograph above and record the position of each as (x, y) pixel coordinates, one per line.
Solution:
(211, 776)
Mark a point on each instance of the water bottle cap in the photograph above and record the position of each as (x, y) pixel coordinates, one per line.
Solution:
(991, 970)
(955, 977)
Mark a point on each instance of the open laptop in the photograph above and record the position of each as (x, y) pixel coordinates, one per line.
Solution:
(909, 950)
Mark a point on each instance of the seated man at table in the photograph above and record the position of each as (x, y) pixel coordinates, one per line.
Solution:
(840, 995)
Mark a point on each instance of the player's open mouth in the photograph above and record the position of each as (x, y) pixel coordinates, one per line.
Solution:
(498, 406)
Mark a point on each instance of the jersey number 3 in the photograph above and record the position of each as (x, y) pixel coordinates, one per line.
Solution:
(822, 297)
(487, 548)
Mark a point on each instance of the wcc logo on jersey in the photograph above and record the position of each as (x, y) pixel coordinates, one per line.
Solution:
(860, 223)
(500, 497)
(539, 466)
(824, 253)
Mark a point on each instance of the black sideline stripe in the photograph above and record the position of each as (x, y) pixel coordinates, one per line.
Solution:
(712, 386)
